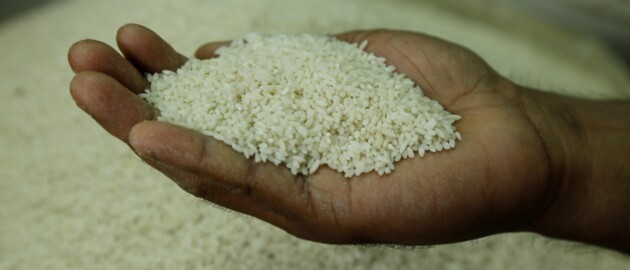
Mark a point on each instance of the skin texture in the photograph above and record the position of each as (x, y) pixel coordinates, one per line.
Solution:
(503, 176)
(589, 145)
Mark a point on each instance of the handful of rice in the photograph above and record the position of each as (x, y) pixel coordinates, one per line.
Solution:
(304, 101)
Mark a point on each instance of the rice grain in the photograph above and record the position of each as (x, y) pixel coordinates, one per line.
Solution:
(304, 101)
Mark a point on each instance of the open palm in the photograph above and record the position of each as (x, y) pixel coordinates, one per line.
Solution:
(495, 180)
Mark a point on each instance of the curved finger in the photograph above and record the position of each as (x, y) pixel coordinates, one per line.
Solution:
(110, 103)
(208, 50)
(147, 50)
(194, 152)
(202, 187)
(190, 150)
(92, 55)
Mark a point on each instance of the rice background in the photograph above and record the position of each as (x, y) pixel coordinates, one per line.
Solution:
(72, 197)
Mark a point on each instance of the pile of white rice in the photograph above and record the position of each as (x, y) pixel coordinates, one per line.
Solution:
(304, 101)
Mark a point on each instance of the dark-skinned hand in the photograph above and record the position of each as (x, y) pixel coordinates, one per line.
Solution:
(498, 178)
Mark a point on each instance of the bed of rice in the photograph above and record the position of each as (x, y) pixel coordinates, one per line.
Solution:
(304, 101)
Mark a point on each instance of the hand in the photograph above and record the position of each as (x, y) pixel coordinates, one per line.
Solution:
(496, 179)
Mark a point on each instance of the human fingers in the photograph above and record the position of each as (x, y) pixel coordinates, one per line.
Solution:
(147, 50)
(296, 198)
(208, 50)
(109, 102)
(192, 151)
(203, 187)
(92, 55)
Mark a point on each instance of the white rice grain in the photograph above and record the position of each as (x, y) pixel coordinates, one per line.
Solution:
(304, 101)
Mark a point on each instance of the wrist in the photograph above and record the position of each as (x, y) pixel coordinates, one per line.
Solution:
(588, 194)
